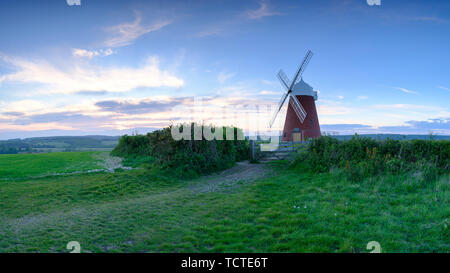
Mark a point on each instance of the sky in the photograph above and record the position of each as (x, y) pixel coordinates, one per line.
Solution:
(71, 67)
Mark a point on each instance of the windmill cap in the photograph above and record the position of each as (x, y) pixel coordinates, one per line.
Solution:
(301, 88)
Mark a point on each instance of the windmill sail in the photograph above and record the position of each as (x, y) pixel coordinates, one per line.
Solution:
(280, 105)
(298, 108)
(301, 68)
(283, 79)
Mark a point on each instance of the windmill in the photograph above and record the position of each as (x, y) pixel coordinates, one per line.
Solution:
(301, 114)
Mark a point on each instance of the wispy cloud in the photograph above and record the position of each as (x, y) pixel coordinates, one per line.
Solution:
(263, 11)
(86, 77)
(362, 97)
(124, 34)
(421, 127)
(140, 106)
(266, 92)
(231, 24)
(444, 88)
(223, 77)
(438, 126)
(406, 90)
(211, 31)
(406, 106)
(78, 52)
(430, 19)
(268, 82)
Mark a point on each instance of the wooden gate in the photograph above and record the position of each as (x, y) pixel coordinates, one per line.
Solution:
(282, 150)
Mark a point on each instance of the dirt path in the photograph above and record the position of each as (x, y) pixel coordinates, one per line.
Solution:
(243, 172)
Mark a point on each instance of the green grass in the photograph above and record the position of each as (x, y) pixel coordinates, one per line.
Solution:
(17, 166)
(293, 211)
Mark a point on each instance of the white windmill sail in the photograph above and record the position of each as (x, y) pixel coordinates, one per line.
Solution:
(283, 79)
(298, 108)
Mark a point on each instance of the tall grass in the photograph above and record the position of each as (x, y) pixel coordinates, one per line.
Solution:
(362, 157)
(184, 158)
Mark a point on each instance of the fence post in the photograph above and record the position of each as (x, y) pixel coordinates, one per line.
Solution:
(252, 150)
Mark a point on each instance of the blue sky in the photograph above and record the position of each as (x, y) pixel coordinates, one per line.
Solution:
(109, 67)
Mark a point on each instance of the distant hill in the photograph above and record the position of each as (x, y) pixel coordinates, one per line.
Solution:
(58, 144)
(394, 136)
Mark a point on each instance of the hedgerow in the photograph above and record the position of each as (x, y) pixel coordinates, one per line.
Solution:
(363, 157)
(185, 158)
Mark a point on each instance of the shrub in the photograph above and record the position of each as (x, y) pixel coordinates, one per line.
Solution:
(363, 157)
(184, 158)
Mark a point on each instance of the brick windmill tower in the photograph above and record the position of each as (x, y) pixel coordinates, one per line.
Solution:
(301, 114)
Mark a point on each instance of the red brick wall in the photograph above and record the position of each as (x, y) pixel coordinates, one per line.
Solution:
(310, 127)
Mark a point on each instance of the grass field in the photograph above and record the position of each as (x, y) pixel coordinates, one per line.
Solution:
(288, 210)
(18, 166)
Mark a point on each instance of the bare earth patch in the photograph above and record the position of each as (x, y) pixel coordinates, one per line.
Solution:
(109, 162)
(243, 172)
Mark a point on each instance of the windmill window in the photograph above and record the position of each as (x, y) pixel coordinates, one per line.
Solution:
(310, 122)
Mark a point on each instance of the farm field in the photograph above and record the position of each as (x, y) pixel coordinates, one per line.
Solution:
(58, 144)
(249, 208)
(19, 166)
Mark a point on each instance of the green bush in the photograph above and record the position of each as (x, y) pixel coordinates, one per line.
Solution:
(366, 157)
(184, 158)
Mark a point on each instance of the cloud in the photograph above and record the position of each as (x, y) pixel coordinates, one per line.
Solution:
(71, 118)
(333, 108)
(262, 11)
(444, 88)
(346, 129)
(124, 34)
(140, 106)
(344, 126)
(268, 82)
(92, 93)
(86, 77)
(223, 77)
(433, 19)
(266, 92)
(90, 54)
(406, 90)
(362, 97)
(437, 126)
(22, 106)
(407, 107)
(15, 114)
(211, 31)
(231, 25)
